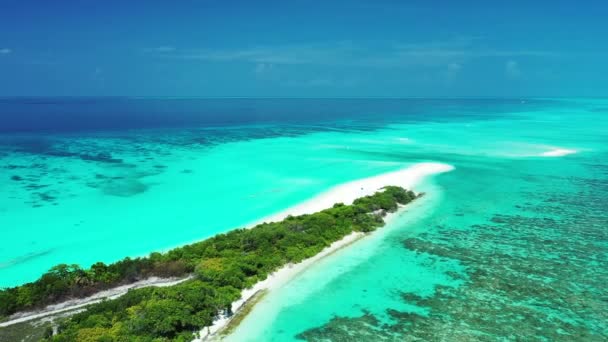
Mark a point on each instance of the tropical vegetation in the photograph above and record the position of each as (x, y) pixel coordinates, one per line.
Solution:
(222, 266)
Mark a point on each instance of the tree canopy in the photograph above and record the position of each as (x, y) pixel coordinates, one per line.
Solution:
(223, 266)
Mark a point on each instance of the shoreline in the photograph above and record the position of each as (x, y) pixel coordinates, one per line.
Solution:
(345, 193)
(79, 303)
(275, 280)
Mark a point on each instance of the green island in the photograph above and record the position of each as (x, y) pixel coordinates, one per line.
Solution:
(222, 266)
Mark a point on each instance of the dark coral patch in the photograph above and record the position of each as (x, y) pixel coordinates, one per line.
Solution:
(124, 188)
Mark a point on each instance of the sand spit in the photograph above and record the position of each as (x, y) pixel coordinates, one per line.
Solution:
(345, 193)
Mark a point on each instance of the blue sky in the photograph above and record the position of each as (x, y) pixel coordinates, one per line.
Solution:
(303, 48)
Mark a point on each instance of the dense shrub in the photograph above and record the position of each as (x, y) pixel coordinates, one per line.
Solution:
(223, 265)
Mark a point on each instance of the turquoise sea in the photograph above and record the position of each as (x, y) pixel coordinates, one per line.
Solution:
(511, 245)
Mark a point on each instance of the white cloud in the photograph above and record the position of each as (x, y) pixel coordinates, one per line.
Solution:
(5, 51)
(262, 68)
(454, 67)
(319, 82)
(397, 55)
(98, 75)
(286, 54)
(452, 72)
(512, 70)
(315, 82)
(161, 49)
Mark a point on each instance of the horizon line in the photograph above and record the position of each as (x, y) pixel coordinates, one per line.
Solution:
(293, 97)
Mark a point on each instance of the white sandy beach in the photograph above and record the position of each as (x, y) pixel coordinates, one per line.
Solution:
(276, 280)
(348, 192)
(75, 304)
(558, 152)
(344, 193)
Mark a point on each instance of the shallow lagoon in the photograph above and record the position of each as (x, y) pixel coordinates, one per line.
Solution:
(508, 234)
